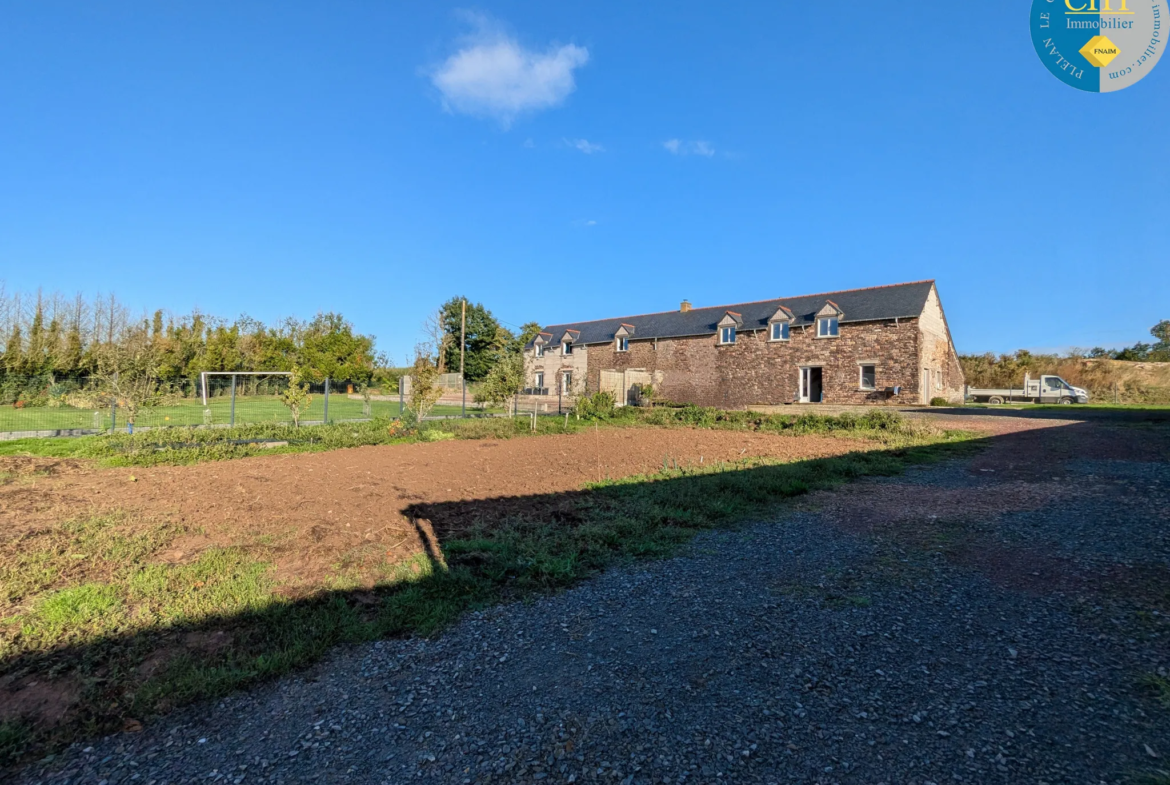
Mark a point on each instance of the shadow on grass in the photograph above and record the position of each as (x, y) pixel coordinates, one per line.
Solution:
(477, 553)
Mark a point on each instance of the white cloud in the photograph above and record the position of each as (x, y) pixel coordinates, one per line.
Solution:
(679, 147)
(585, 146)
(493, 75)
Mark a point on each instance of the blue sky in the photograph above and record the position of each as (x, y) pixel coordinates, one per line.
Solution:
(565, 161)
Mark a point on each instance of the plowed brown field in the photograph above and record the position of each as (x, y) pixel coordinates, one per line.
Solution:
(312, 512)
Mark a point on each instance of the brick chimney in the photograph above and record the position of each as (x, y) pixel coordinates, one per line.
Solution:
(685, 306)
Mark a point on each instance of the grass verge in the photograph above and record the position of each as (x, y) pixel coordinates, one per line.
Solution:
(178, 446)
(109, 633)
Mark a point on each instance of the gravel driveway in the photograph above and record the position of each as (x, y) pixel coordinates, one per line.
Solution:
(987, 620)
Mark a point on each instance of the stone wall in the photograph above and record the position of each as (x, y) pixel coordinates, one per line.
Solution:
(554, 364)
(938, 355)
(755, 370)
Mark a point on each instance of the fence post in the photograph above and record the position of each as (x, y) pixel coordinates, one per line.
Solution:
(326, 416)
(232, 420)
(401, 397)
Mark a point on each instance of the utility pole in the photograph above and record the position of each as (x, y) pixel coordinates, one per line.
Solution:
(462, 346)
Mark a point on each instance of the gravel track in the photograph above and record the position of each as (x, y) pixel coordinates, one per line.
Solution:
(917, 648)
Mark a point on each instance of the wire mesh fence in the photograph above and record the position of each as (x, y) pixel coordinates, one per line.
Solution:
(44, 406)
(32, 406)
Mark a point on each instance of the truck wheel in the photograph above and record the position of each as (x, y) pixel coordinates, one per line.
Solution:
(1066, 400)
(995, 399)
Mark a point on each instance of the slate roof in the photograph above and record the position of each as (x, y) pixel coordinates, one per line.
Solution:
(895, 301)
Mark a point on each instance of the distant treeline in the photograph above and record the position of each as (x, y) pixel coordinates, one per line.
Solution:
(50, 339)
(1128, 375)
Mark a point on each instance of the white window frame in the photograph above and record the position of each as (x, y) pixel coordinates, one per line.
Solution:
(538, 377)
(861, 366)
(723, 332)
(623, 343)
(828, 321)
(786, 332)
(539, 350)
(566, 382)
(566, 348)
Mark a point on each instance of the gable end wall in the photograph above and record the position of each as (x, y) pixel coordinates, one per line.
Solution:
(938, 353)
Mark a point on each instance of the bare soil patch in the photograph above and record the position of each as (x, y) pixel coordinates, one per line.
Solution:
(315, 514)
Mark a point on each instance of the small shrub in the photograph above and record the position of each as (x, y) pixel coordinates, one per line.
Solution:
(939, 401)
(296, 397)
(599, 406)
(883, 420)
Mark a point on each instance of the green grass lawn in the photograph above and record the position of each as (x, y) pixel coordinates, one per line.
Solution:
(249, 410)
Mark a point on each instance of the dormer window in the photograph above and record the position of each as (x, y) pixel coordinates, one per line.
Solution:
(727, 326)
(827, 320)
(566, 348)
(621, 337)
(778, 325)
(539, 350)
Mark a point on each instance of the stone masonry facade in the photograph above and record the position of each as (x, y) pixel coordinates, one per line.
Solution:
(757, 371)
(554, 364)
(898, 334)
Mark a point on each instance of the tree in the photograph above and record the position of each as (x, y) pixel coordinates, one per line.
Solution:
(1161, 331)
(71, 354)
(528, 331)
(438, 339)
(505, 379)
(424, 389)
(14, 352)
(36, 358)
(331, 350)
(127, 372)
(296, 397)
(481, 348)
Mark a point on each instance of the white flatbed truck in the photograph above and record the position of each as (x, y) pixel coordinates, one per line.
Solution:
(1046, 389)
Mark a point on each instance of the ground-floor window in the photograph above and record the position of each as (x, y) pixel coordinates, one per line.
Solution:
(539, 380)
(567, 381)
(868, 377)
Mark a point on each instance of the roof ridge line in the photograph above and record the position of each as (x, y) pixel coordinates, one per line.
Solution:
(751, 302)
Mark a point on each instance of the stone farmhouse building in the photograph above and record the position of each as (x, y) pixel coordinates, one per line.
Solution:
(882, 345)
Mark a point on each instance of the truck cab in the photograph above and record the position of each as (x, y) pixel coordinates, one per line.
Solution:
(1053, 389)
